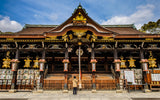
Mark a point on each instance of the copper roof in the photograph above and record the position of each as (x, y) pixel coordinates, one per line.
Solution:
(125, 30)
(34, 30)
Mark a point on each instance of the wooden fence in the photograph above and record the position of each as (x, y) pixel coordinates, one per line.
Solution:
(105, 84)
(53, 84)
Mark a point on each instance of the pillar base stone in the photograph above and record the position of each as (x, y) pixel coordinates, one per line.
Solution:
(119, 91)
(93, 90)
(12, 91)
(147, 91)
(65, 91)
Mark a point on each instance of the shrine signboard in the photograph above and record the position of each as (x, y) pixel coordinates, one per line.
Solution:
(129, 75)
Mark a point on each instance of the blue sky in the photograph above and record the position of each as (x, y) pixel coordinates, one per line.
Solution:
(14, 14)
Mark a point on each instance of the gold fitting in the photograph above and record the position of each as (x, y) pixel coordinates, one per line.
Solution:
(79, 43)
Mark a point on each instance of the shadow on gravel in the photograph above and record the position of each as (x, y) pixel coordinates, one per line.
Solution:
(13, 99)
(145, 98)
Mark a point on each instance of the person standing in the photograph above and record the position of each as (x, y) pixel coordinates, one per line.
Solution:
(75, 83)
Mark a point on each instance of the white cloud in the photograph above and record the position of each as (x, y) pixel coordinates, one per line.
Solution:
(7, 25)
(142, 15)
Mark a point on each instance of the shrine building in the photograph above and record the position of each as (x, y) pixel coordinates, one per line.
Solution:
(102, 57)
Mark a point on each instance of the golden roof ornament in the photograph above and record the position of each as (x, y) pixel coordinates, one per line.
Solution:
(123, 63)
(152, 61)
(6, 61)
(36, 63)
(132, 62)
(79, 19)
(27, 62)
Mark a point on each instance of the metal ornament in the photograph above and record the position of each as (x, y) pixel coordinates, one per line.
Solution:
(123, 63)
(27, 62)
(36, 63)
(132, 62)
(6, 61)
(152, 61)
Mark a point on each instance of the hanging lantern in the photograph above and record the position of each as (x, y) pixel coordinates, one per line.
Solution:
(123, 63)
(41, 63)
(152, 61)
(27, 62)
(65, 61)
(6, 61)
(117, 64)
(14, 64)
(144, 64)
(36, 63)
(93, 62)
(132, 62)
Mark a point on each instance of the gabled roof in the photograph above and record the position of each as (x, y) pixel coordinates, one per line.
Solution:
(90, 22)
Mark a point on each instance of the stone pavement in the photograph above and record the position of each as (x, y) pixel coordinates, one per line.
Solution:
(82, 95)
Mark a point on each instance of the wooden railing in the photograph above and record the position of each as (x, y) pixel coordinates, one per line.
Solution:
(53, 84)
(105, 84)
(86, 84)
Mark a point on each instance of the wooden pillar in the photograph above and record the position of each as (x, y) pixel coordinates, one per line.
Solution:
(141, 54)
(117, 74)
(42, 72)
(115, 53)
(144, 72)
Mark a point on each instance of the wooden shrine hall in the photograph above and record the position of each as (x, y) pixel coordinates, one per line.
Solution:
(102, 57)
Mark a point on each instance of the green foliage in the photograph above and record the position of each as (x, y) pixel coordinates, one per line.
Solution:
(151, 27)
(5, 32)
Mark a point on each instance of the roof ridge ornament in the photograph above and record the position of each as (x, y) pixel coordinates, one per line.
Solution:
(79, 6)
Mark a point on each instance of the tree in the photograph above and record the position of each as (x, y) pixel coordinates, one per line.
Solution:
(151, 27)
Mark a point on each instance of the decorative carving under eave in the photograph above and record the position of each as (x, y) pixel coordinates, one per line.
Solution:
(53, 46)
(31, 46)
(6, 61)
(5, 46)
(104, 46)
(132, 62)
(127, 46)
(153, 45)
(152, 61)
